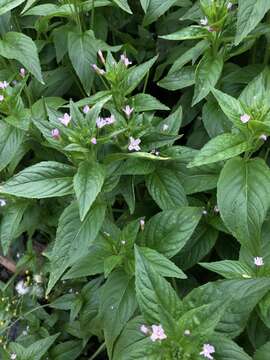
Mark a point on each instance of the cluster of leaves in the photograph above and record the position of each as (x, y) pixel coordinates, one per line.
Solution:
(134, 226)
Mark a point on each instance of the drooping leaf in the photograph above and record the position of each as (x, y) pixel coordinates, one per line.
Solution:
(20, 47)
(7, 5)
(43, 180)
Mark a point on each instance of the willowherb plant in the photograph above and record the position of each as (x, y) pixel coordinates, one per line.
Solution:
(134, 180)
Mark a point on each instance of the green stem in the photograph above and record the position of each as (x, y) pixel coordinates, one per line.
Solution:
(93, 15)
(99, 350)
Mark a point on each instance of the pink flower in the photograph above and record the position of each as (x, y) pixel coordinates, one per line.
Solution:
(86, 109)
(207, 351)
(128, 111)
(55, 134)
(134, 144)
(3, 202)
(94, 141)
(98, 70)
(125, 60)
(263, 137)
(22, 72)
(65, 120)
(100, 122)
(245, 118)
(229, 5)
(142, 223)
(2, 97)
(165, 127)
(258, 261)
(3, 84)
(101, 56)
(144, 329)
(110, 120)
(158, 333)
(204, 21)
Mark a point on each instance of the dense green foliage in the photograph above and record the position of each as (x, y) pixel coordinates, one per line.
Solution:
(134, 179)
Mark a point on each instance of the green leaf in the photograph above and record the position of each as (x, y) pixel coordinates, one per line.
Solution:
(229, 269)
(117, 305)
(179, 79)
(67, 350)
(168, 231)
(153, 291)
(83, 53)
(43, 180)
(229, 105)
(20, 47)
(73, 238)
(11, 139)
(165, 187)
(136, 74)
(35, 351)
(7, 5)
(154, 9)
(220, 148)
(207, 75)
(146, 102)
(123, 4)
(10, 223)
(243, 199)
(244, 295)
(110, 263)
(263, 352)
(227, 349)
(191, 32)
(214, 120)
(161, 264)
(90, 264)
(134, 343)
(87, 185)
(250, 13)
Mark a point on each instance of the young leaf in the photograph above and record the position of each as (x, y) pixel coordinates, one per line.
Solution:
(229, 105)
(243, 199)
(165, 187)
(207, 75)
(136, 74)
(22, 48)
(43, 180)
(220, 148)
(87, 185)
(168, 231)
(191, 32)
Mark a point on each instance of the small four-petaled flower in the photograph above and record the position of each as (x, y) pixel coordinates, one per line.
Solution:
(245, 118)
(2, 97)
(125, 60)
(3, 202)
(3, 84)
(55, 134)
(134, 144)
(98, 70)
(128, 111)
(258, 261)
(86, 109)
(65, 120)
(158, 333)
(207, 351)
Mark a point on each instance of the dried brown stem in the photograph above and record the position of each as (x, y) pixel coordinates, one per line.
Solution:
(8, 264)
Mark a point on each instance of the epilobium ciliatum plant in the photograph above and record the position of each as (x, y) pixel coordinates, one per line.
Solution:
(134, 179)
